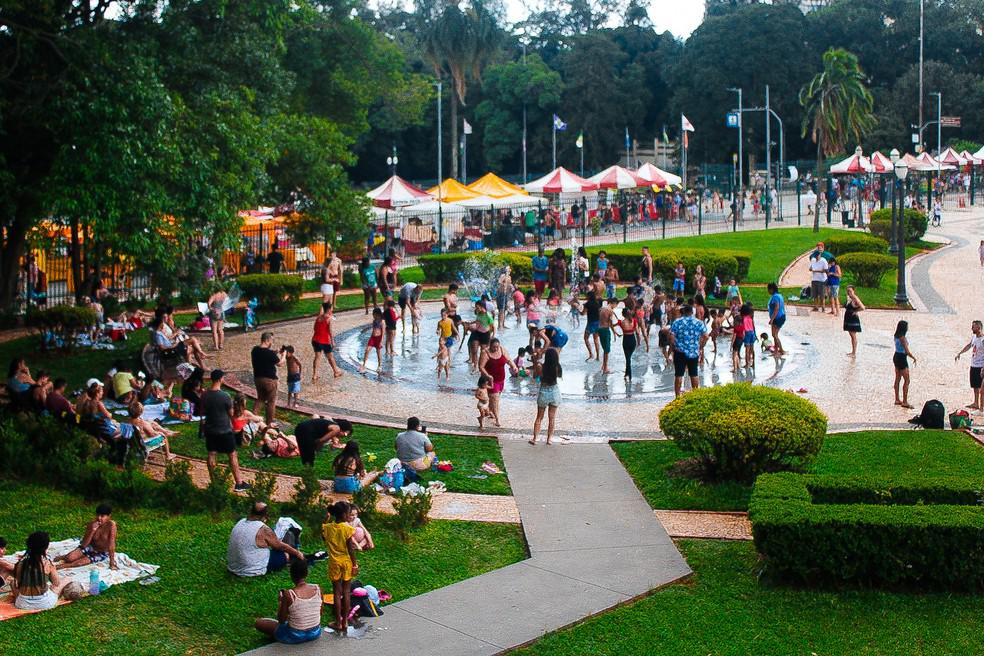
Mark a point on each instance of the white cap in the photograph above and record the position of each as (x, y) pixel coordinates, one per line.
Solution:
(93, 381)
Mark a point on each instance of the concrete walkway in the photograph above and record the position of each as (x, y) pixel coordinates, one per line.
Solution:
(594, 543)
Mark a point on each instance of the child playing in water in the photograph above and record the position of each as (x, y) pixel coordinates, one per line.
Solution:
(532, 316)
(553, 301)
(717, 321)
(520, 362)
(611, 279)
(390, 317)
(362, 537)
(575, 304)
(765, 343)
(482, 395)
(375, 340)
(518, 301)
(748, 323)
(416, 314)
(443, 357)
(293, 377)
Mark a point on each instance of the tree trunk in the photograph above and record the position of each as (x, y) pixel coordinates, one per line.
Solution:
(13, 248)
(454, 136)
(820, 190)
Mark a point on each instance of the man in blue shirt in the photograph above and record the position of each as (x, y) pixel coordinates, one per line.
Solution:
(687, 337)
(777, 316)
(540, 266)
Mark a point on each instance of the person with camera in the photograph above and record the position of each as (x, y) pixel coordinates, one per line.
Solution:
(265, 362)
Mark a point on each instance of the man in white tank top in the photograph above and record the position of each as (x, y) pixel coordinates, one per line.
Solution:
(254, 549)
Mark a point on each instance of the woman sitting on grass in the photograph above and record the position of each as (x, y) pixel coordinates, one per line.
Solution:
(299, 610)
(150, 429)
(350, 473)
(36, 584)
(243, 418)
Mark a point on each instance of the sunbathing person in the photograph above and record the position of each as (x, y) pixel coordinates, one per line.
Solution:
(98, 543)
(275, 443)
(6, 569)
(149, 429)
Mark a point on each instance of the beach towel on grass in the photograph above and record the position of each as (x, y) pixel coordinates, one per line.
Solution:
(129, 570)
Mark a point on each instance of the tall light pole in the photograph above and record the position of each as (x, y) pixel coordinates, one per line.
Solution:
(393, 160)
(523, 43)
(901, 298)
(893, 246)
(921, 38)
(740, 124)
(939, 129)
(768, 159)
(440, 159)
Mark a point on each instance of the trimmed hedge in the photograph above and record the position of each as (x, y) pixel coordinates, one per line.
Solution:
(740, 430)
(274, 291)
(725, 264)
(905, 532)
(855, 243)
(446, 266)
(867, 268)
(916, 224)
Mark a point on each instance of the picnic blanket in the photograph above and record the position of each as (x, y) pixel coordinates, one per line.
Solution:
(129, 570)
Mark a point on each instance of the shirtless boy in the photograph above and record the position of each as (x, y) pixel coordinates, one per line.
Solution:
(98, 544)
(605, 316)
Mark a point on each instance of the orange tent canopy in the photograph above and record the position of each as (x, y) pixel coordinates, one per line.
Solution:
(451, 191)
(495, 187)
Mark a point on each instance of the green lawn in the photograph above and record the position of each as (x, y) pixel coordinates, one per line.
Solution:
(723, 610)
(466, 453)
(931, 453)
(197, 608)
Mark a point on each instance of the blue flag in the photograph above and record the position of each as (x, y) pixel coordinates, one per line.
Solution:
(627, 142)
(558, 124)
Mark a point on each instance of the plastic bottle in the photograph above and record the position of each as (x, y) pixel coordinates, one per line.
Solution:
(93, 581)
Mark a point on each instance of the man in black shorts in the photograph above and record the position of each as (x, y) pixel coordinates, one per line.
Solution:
(976, 347)
(688, 336)
(217, 427)
(313, 434)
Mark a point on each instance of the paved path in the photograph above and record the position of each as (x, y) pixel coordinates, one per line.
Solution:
(594, 543)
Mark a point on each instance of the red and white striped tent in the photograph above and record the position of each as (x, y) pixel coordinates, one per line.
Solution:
(950, 156)
(972, 159)
(397, 192)
(979, 154)
(881, 163)
(617, 177)
(933, 163)
(657, 177)
(856, 163)
(916, 165)
(560, 181)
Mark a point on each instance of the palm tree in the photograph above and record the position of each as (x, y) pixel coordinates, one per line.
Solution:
(838, 106)
(458, 43)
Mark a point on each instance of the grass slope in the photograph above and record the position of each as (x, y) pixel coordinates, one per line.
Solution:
(197, 608)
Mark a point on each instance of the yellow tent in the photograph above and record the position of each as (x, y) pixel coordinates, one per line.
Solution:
(451, 191)
(492, 185)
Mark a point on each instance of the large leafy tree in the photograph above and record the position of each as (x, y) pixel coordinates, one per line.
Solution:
(839, 107)
(458, 43)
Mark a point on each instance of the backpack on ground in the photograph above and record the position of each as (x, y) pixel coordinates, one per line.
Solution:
(933, 415)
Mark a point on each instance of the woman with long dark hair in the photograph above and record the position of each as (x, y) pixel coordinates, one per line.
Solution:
(548, 398)
(628, 327)
(36, 584)
(350, 473)
(901, 361)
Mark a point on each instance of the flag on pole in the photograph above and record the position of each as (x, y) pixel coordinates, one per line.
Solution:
(666, 137)
(627, 147)
(558, 124)
(686, 125)
(580, 139)
(467, 126)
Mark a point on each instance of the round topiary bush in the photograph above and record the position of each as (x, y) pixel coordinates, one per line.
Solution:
(867, 268)
(856, 243)
(741, 430)
(916, 224)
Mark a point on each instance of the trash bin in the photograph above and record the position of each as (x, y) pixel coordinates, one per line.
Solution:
(846, 218)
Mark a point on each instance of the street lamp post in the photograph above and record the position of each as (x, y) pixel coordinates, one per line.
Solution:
(901, 173)
(893, 246)
(741, 123)
(393, 160)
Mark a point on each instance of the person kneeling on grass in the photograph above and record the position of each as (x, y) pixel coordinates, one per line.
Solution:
(98, 543)
(342, 565)
(298, 612)
(254, 549)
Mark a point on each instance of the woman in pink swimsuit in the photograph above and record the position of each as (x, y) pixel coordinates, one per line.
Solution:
(493, 364)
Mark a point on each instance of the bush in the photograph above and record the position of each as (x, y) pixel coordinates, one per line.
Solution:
(308, 506)
(716, 262)
(178, 492)
(916, 224)
(856, 243)
(739, 430)
(274, 291)
(445, 267)
(264, 484)
(866, 268)
(904, 532)
(365, 499)
(61, 324)
(411, 512)
(217, 496)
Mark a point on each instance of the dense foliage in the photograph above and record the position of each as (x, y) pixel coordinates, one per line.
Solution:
(906, 530)
(867, 268)
(740, 430)
(274, 291)
(855, 243)
(916, 224)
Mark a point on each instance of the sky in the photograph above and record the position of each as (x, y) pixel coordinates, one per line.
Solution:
(680, 17)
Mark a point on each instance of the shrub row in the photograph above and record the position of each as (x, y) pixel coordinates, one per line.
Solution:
(867, 268)
(915, 533)
(446, 266)
(274, 291)
(855, 243)
(741, 430)
(916, 224)
(725, 264)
